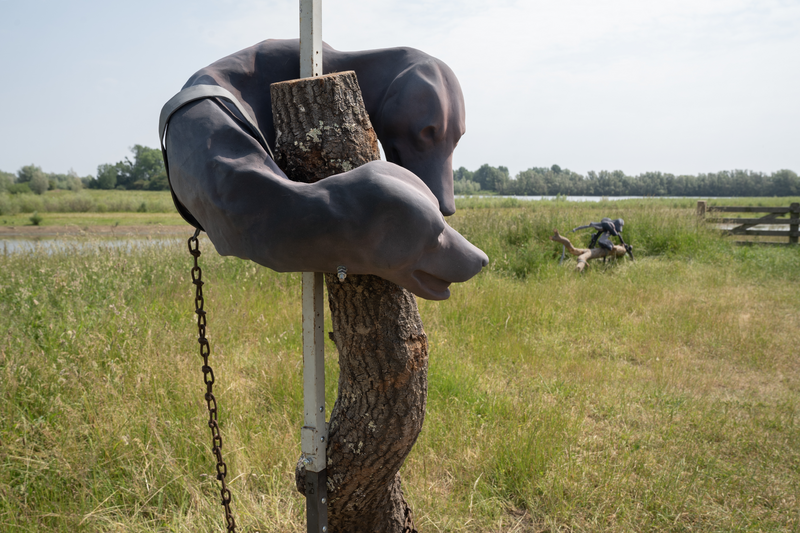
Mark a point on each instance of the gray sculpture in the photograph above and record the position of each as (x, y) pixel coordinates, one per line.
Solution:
(383, 218)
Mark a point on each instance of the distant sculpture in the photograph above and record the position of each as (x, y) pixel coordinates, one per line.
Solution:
(383, 218)
(605, 229)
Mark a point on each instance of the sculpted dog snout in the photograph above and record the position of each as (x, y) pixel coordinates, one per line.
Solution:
(469, 258)
(437, 174)
(455, 260)
(484, 259)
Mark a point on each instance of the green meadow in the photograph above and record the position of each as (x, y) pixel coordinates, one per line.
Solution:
(88, 207)
(655, 395)
(87, 201)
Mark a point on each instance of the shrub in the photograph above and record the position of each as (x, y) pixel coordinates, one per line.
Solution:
(6, 180)
(77, 204)
(7, 206)
(28, 203)
(19, 188)
(39, 184)
(466, 187)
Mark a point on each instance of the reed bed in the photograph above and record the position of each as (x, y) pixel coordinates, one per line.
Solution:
(87, 201)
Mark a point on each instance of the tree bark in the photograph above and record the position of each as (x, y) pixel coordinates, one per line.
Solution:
(322, 128)
(585, 254)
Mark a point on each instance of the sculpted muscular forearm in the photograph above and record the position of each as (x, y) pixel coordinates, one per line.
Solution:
(378, 219)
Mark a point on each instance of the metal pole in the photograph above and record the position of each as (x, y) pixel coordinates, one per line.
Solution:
(310, 38)
(314, 435)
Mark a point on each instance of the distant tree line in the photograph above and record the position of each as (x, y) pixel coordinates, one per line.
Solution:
(31, 179)
(145, 172)
(542, 181)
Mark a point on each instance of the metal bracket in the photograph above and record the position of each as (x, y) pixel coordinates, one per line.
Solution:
(313, 444)
(317, 501)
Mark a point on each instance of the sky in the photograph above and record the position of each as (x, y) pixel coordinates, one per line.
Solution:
(678, 86)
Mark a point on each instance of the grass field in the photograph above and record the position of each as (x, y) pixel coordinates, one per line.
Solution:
(87, 201)
(656, 395)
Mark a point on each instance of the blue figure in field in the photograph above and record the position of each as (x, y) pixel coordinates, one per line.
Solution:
(606, 228)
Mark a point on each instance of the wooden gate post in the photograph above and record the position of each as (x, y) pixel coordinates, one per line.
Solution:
(701, 209)
(324, 129)
(794, 213)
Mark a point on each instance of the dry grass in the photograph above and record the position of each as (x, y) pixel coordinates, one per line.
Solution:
(656, 395)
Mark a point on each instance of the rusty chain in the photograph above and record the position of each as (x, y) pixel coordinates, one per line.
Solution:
(208, 378)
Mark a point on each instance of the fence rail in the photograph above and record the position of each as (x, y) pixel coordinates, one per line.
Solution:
(748, 226)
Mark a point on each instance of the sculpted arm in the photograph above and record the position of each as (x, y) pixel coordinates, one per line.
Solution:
(377, 219)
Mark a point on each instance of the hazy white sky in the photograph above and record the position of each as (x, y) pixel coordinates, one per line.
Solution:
(680, 86)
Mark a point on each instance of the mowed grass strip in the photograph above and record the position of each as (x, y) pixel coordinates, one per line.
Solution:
(660, 394)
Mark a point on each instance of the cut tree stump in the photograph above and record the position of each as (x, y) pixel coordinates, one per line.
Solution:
(322, 128)
(585, 254)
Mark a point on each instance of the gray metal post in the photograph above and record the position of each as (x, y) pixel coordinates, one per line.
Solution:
(310, 38)
(314, 435)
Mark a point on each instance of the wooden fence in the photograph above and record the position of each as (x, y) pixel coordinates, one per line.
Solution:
(747, 226)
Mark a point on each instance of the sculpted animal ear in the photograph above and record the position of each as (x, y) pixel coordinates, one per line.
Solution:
(415, 107)
(419, 122)
(430, 134)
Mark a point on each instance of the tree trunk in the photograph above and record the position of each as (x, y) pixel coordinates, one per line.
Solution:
(322, 128)
(584, 254)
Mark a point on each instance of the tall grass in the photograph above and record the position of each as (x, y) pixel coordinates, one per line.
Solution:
(516, 234)
(656, 395)
(87, 201)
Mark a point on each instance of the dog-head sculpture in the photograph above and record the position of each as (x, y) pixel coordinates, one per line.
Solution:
(419, 124)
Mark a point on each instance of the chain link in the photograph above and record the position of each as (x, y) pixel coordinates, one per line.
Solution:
(208, 378)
